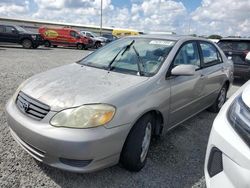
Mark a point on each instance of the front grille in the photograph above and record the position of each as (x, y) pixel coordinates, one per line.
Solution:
(31, 107)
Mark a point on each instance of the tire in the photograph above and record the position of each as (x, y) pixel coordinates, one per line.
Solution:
(79, 46)
(27, 44)
(135, 149)
(55, 46)
(221, 99)
(97, 45)
(47, 43)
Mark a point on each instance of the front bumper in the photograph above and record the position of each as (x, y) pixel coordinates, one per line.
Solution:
(235, 154)
(77, 150)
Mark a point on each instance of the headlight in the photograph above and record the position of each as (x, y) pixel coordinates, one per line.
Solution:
(239, 117)
(85, 116)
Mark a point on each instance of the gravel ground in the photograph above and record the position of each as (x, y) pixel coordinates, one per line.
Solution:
(175, 160)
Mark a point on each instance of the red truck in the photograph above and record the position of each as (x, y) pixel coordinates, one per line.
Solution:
(64, 37)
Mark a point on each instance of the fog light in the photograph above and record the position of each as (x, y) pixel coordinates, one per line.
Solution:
(74, 162)
(215, 164)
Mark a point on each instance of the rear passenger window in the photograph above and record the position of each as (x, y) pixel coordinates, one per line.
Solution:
(1, 29)
(210, 54)
(188, 54)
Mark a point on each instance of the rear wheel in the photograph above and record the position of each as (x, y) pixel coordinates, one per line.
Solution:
(26, 43)
(221, 99)
(135, 149)
(47, 43)
(80, 46)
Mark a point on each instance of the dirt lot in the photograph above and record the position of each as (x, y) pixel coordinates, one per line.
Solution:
(176, 160)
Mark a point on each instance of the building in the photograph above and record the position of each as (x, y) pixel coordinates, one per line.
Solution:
(33, 25)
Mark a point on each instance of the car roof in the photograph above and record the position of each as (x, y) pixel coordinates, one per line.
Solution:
(169, 37)
(235, 39)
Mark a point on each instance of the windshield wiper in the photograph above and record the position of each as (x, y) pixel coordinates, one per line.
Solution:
(138, 62)
(123, 50)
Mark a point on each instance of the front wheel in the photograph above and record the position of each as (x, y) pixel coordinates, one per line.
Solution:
(221, 99)
(47, 43)
(27, 44)
(135, 149)
(98, 45)
(80, 46)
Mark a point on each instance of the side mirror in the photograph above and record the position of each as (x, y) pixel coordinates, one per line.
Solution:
(184, 70)
(248, 57)
(14, 31)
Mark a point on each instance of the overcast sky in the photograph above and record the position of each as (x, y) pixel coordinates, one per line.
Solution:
(203, 17)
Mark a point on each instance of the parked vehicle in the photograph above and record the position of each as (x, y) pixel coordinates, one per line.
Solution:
(124, 32)
(97, 40)
(237, 49)
(105, 108)
(227, 161)
(18, 35)
(64, 37)
(109, 37)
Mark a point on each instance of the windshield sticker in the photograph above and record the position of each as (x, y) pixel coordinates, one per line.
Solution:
(162, 42)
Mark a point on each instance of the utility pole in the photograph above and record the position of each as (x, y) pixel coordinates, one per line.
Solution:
(101, 20)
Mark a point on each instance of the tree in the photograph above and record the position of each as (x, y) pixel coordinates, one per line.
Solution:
(215, 37)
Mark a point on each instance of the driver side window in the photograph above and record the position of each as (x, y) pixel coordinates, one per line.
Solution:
(74, 34)
(188, 55)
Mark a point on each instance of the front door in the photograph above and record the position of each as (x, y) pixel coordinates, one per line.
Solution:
(186, 91)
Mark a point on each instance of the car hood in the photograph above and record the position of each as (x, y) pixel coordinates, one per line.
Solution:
(246, 95)
(74, 85)
(30, 33)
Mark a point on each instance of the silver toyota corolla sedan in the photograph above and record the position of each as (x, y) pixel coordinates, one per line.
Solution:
(105, 108)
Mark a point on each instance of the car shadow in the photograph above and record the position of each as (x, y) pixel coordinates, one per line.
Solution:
(20, 47)
(72, 48)
(174, 160)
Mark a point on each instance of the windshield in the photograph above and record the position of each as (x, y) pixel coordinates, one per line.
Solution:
(234, 45)
(94, 35)
(151, 52)
(20, 29)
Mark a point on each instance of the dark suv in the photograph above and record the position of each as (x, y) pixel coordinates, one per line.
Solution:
(237, 49)
(17, 34)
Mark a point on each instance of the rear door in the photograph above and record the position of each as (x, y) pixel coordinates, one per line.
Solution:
(212, 72)
(10, 34)
(186, 91)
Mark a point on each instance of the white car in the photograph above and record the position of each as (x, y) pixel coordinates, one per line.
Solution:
(98, 41)
(228, 153)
